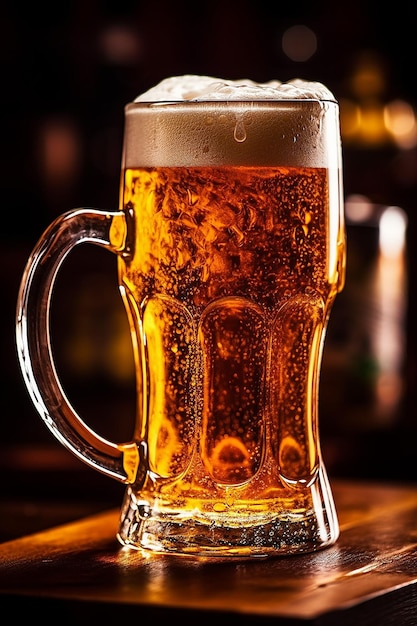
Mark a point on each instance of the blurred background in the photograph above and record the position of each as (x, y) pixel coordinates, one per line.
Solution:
(68, 69)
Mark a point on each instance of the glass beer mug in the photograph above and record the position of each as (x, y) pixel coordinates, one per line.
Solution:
(230, 245)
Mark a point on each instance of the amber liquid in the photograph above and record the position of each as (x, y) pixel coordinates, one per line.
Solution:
(228, 290)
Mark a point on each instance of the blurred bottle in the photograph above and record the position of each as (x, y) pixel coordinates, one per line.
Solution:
(363, 378)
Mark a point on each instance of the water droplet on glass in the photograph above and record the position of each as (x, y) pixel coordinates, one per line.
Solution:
(240, 130)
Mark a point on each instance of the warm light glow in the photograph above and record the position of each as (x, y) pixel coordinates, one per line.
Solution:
(59, 151)
(350, 118)
(358, 208)
(372, 127)
(299, 43)
(363, 123)
(372, 123)
(120, 45)
(392, 228)
(368, 79)
(400, 121)
(399, 117)
(367, 119)
(390, 297)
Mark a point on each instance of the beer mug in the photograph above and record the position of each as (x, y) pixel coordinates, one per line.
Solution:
(230, 246)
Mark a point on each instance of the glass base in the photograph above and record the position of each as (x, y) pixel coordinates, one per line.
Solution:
(224, 535)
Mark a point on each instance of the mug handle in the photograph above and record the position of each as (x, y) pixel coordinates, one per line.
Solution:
(105, 229)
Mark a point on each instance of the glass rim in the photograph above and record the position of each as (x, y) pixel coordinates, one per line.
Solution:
(149, 104)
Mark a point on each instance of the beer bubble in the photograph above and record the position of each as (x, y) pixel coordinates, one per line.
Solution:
(192, 197)
(299, 235)
(230, 499)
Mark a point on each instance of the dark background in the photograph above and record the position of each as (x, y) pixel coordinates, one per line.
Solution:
(67, 73)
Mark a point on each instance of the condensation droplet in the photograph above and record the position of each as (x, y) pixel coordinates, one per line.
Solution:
(240, 131)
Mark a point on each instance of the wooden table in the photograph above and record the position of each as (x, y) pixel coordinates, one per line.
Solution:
(79, 572)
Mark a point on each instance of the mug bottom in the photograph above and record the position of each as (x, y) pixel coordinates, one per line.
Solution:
(285, 533)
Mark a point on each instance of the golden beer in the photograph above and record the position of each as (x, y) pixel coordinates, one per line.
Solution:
(228, 291)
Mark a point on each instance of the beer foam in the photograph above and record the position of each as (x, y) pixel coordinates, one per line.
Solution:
(187, 121)
(191, 88)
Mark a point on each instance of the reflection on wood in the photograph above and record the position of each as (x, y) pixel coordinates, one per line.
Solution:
(372, 570)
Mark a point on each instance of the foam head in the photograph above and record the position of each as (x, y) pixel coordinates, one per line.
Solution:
(189, 88)
(204, 121)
